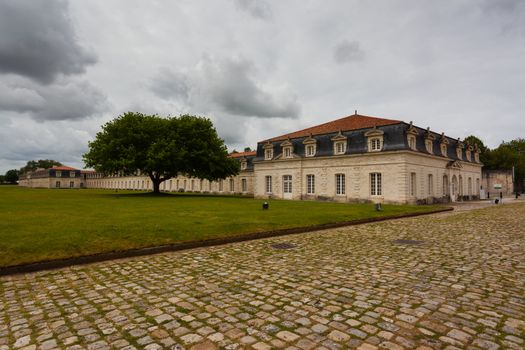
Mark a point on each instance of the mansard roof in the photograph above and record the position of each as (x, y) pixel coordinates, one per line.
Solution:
(352, 122)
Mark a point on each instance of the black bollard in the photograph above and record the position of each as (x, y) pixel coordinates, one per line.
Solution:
(265, 205)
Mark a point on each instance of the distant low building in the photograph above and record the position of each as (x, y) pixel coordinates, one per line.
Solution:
(496, 181)
(241, 184)
(55, 177)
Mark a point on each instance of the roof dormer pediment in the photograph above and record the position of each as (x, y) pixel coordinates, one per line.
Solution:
(339, 137)
(309, 140)
(374, 132)
(412, 130)
(429, 135)
(268, 145)
(286, 143)
(443, 139)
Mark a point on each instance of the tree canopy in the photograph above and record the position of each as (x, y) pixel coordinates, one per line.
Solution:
(11, 176)
(41, 163)
(507, 155)
(161, 148)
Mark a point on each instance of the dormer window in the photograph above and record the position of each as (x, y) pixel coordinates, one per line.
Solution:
(339, 141)
(428, 145)
(310, 150)
(375, 139)
(468, 156)
(58, 173)
(443, 142)
(375, 145)
(339, 147)
(268, 151)
(476, 157)
(443, 150)
(310, 146)
(411, 136)
(287, 149)
(429, 141)
(412, 142)
(459, 149)
(244, 165)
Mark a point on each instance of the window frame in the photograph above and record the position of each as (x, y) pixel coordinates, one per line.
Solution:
(268, 154)
(310, 147)
(376, 184)
(413, 184)
(430, 188)
(268, 184)
(287, 184)
(336, 147)
(340, 184)
(310, 184)
(375, 144)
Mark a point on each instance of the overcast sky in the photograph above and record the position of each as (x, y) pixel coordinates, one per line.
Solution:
(257, 68)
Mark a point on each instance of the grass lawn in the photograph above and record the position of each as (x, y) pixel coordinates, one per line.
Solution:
(47, 224)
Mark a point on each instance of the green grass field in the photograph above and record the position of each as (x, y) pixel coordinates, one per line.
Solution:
(47, 224)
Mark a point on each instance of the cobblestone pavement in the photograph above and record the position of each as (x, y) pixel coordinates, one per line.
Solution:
(456, 281)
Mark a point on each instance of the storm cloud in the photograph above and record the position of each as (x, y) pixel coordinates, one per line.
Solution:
(37, 40)
(72, 99)
(229, 85)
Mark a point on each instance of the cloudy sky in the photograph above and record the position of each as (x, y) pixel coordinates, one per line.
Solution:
(257, 68)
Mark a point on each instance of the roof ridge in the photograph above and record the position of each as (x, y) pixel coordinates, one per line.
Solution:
(338, 124)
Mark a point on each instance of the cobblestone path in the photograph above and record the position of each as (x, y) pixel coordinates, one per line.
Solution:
(455, 281)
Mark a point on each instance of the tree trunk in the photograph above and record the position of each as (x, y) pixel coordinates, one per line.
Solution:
(156, 184)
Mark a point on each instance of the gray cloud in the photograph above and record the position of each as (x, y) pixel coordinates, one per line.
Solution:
(37, 40)
(229, 85)
(257, 8)
(347, 51)
(171, 85)
(67, 100)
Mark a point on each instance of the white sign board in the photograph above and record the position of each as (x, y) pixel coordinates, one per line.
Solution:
(497, 186)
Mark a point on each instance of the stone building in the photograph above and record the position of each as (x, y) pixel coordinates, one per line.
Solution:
(55, 177)
(360, 158)
(495, 181)
(240, 184)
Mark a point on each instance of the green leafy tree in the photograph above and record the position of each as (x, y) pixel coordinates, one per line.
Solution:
(484, 151)
(11, 176)
(162, 148)
(41, 163)
(510, 155)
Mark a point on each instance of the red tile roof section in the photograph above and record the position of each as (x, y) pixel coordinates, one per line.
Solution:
(243, 154)
(352, 122)
(63, 167)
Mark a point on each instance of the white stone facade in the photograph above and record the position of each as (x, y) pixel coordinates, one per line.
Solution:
(395, 169)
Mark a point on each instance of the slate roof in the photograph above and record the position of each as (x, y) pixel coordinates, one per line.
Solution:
(354, 128)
